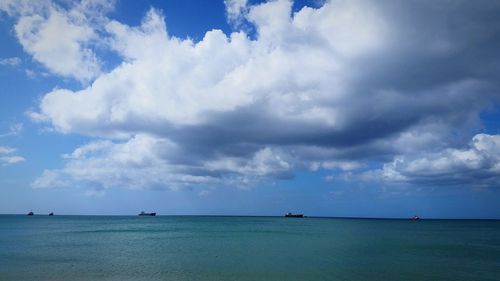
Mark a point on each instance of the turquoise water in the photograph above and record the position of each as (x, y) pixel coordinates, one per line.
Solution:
(246, 248)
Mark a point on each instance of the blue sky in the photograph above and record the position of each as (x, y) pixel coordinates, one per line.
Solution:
(250, 108)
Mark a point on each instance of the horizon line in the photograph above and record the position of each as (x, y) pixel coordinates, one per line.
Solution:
(264, 216)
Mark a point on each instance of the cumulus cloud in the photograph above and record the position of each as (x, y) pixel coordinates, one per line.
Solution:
(236, 10)
(144, 161)
(7, 157)
(320, 88)
(61, 40)
(132, 164)
(477, 165)
(264, 162)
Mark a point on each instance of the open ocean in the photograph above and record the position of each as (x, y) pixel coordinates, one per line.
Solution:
(246, 248)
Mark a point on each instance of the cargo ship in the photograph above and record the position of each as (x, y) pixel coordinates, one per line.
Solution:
(290, 215)
(147, 214)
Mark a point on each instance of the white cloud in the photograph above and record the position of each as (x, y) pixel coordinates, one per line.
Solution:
(13, 61)
(6, 149)
(7, 158)
(142, 162)
(332, 88)
(18, 7)
(135, 164)
(476, 165)
(14, 130)
(329, 178)
(236, 10)
(165, 79)
(264, 162)
(342, 165)
(63, 55)
(40, 27)
(48, 179)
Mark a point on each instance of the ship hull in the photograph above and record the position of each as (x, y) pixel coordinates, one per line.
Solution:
(294, 216)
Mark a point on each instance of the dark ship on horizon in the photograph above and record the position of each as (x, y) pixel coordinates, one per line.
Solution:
(290, 215)
(142, 213)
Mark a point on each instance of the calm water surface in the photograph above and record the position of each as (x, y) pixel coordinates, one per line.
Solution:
(246, 248)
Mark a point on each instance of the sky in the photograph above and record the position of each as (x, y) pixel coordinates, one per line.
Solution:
(234, 107)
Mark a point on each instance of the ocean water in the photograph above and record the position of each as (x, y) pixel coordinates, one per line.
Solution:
(246, 248)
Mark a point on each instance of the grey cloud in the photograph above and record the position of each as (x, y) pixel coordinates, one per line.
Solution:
(397, 78)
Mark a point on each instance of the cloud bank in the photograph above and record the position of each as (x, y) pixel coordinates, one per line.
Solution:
(334, 87)
(477, 166)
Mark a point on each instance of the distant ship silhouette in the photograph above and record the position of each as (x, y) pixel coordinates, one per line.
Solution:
(147, 214)
(30, 213)
(290, 215)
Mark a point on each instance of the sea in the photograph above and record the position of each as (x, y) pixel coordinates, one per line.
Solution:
(182, 248)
